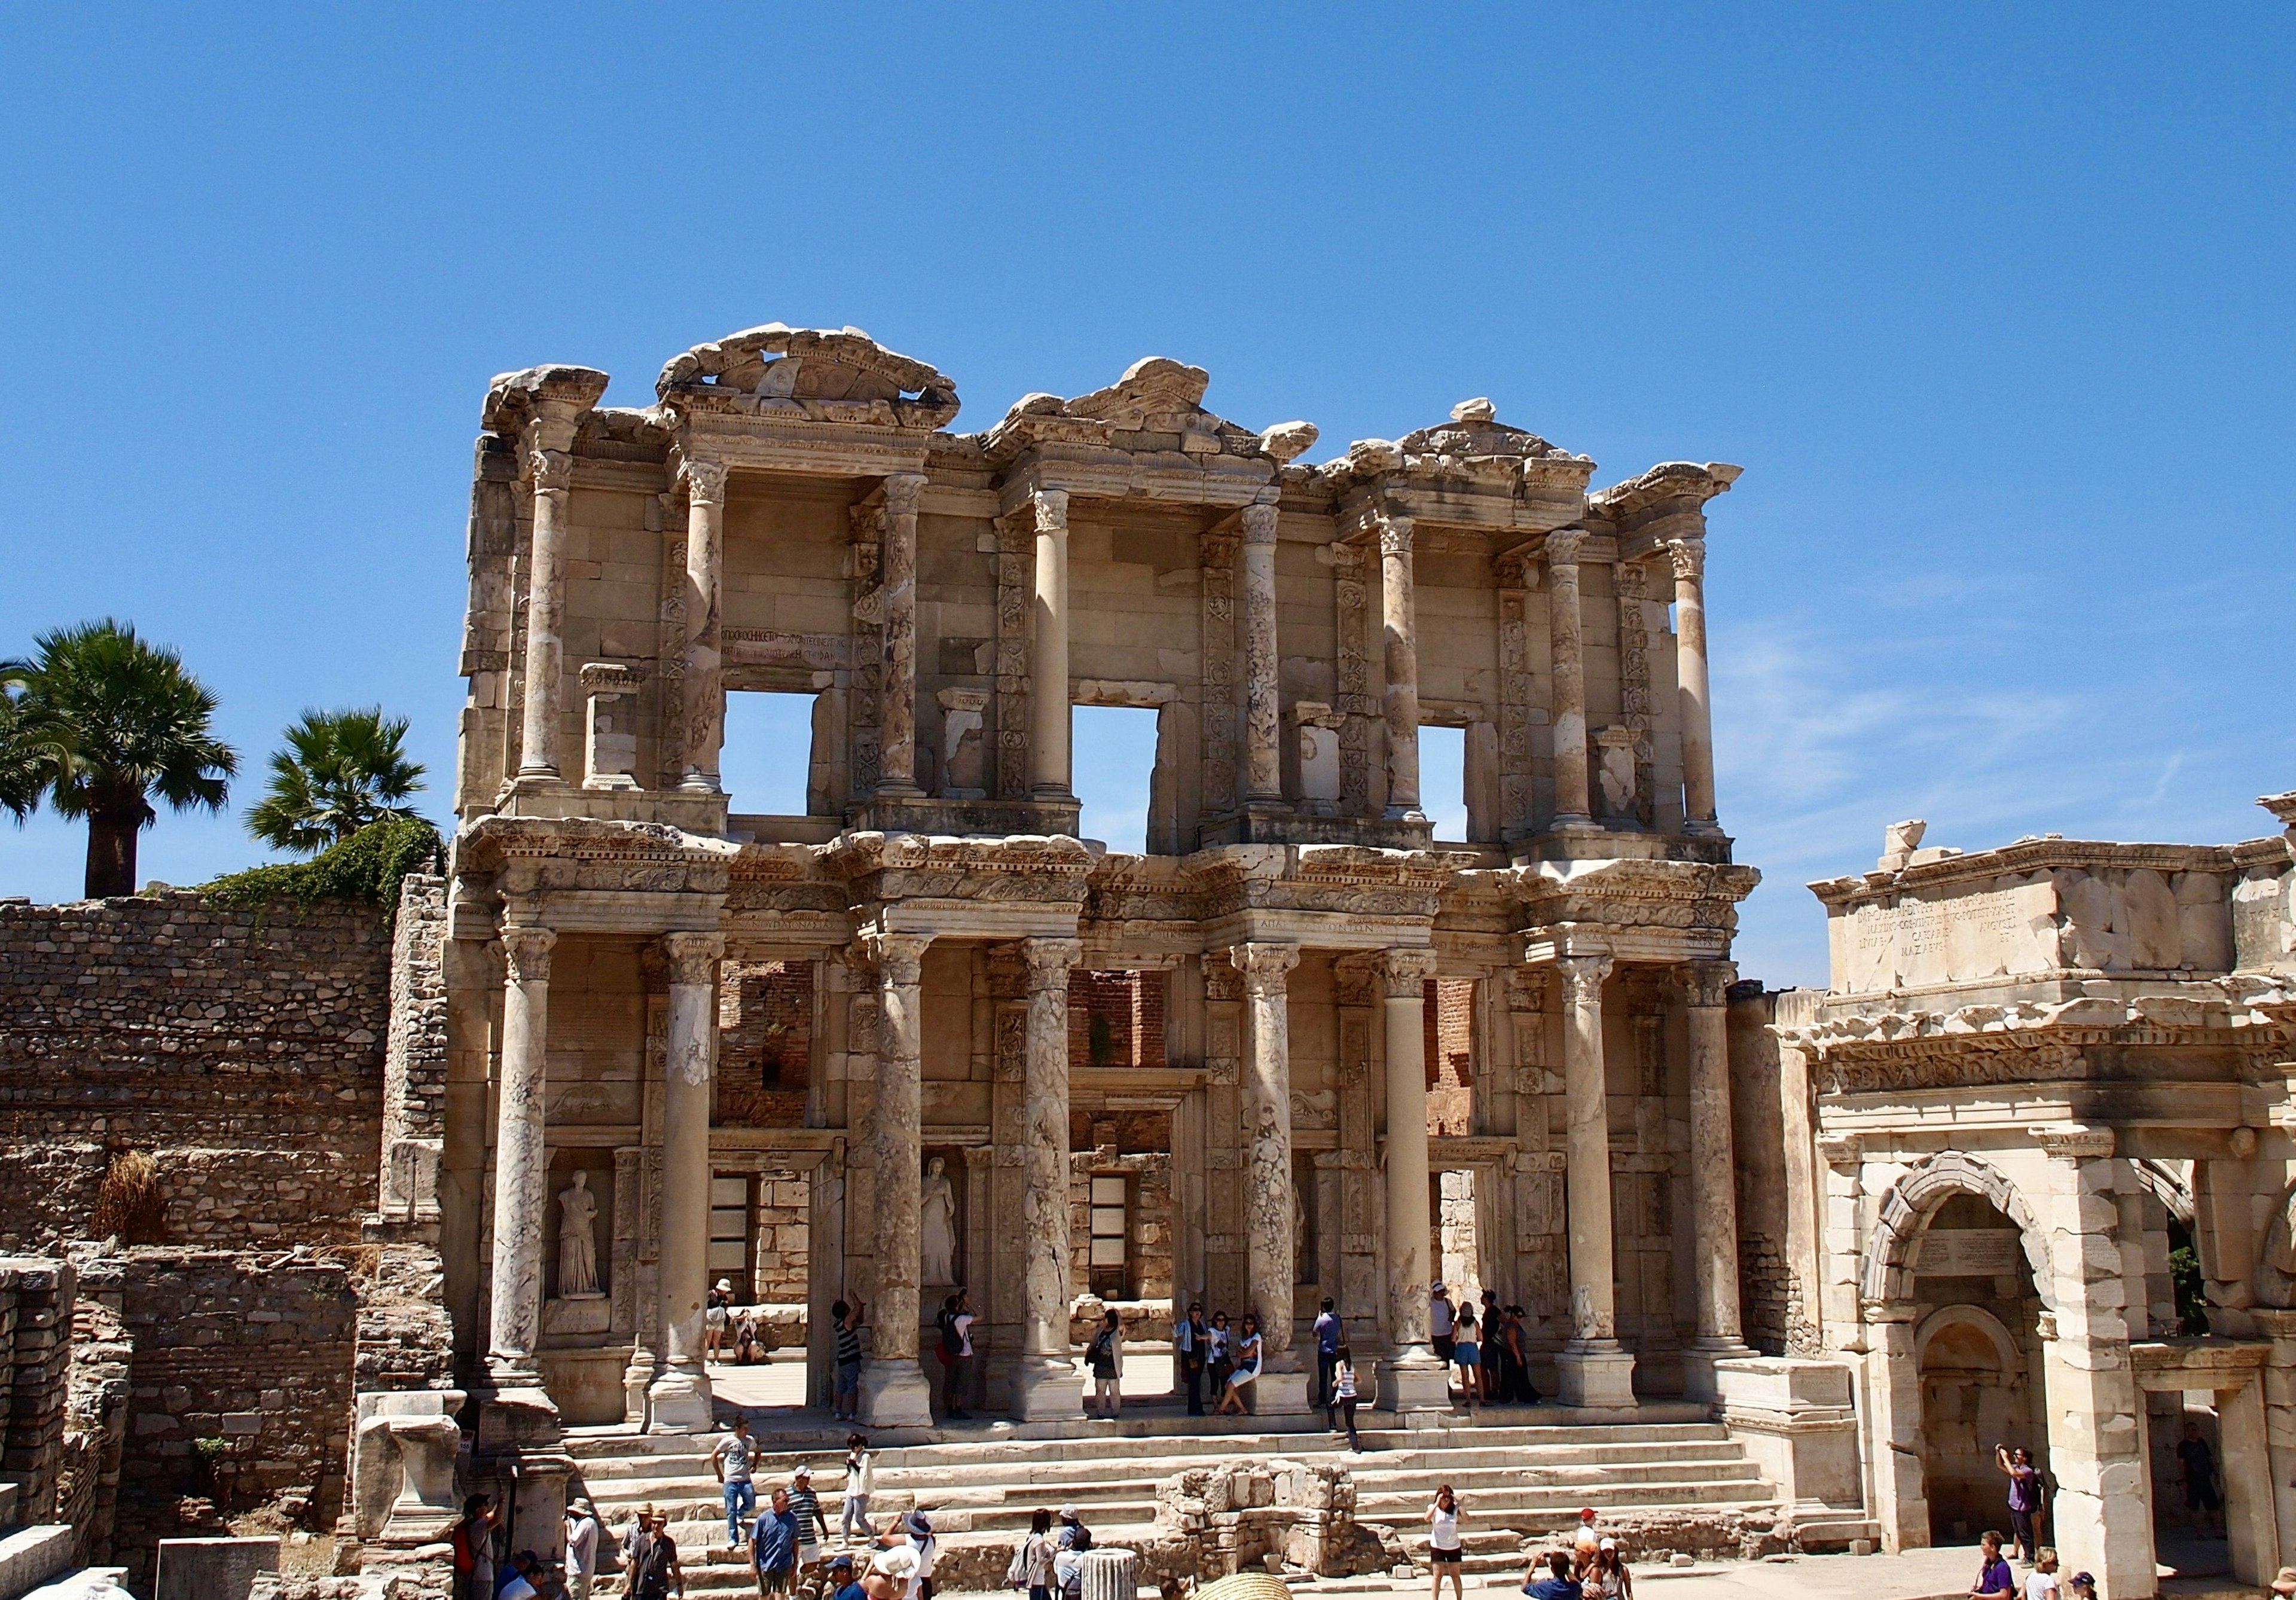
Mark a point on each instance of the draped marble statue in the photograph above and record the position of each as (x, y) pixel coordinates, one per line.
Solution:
(577, 1238)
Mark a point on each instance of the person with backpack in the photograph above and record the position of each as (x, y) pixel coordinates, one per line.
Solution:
(955, 1345)
(1104, 1355)
(1343, 1395)
(474, 1543)
(1032, 1567)
(1073, 1535)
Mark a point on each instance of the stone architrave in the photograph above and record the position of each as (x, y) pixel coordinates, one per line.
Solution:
(1047, 1383)
(1596, 1369)
(1411, 1378)
(552, 471)
(1271, 1238)
(1573, 806)
(1263, 768)
(1400, 627)
(1689, 556)
(522, 1167)
(894, 1390)
(897, 717)
(677, 1400)
(1048, 658)
(704, 684)
(1713, 1176)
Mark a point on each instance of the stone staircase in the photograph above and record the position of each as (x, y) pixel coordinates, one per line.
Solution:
(1518, 1472)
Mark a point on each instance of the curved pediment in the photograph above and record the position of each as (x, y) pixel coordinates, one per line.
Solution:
(841, 376)
(1156, 406)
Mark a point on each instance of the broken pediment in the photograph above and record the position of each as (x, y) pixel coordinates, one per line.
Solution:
(1474, 444)
(1156, 406)
(1664, 485)
(841, 376)
(512, 398)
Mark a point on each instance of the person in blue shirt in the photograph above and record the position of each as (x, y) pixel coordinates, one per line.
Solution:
(1994, 1581)
(773, 1546)
(1557, 1585)
(842, 1584)
(1327, 1355)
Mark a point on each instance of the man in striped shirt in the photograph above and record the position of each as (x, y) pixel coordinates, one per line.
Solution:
(848, 1359)
(812, 1526)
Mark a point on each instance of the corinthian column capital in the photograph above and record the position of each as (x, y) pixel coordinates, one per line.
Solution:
(1563, 546)
(1707, 983)
(1582, 978)
(903, 490)
(1264, 966)
(1395, 535)
(1259, 524)
(693, 958)
(1403, 974)
(1050, 960)
(553, 470)
(898, 957)
(1051, 508)
(526, 953)
(1689, 558)
(704, 481)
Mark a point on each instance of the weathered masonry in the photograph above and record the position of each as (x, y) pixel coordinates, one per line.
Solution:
(1244, 1117)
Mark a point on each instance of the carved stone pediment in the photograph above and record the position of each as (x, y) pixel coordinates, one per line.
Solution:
(1346, 880)
(816, 375)
(514, 399)
(1666, 487)
(1156, 407)
(1474, 446)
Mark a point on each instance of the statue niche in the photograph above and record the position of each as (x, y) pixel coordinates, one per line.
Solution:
(578, 1240)
(937, 1227)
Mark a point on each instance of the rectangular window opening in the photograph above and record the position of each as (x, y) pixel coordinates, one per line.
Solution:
(766, 765)
(1115, 773)
(1443, 781)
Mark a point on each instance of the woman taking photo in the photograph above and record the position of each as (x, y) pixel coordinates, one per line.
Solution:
(1445, 1554)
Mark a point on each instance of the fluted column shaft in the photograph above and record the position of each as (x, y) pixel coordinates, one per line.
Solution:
(896, 710)
(894, 1392)
(1049, 664)
(705, 679)
(677, 1400)
(1262, 707)
(1689, 557)
(1400, 627)
(546, 604)
(1047, 1384)
(1271, 1228)
(1573, 806)
(1411, 1378)
(1713, 1168)
(521, 1163)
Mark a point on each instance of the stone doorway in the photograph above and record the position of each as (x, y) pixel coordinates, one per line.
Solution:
(1978, 1350)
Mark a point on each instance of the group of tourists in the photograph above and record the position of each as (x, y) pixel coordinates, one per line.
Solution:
(1593, 1568)
(731, 1333)
(1214, 1356)
(1491, 1353)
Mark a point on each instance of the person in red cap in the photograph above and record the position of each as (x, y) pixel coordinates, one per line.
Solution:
(1585, 1546)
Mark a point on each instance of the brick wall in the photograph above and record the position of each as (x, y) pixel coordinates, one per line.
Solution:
(243, 1050)
(1449, 1021)
(765, 1044)
(36, 1310)
(1116, 1019)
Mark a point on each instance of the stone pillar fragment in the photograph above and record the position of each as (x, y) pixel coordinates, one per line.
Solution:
(677, 1399)
(1573, 807)
(545, 605)
(1271, 1235)
(1262, 716)
(1399, 626)
(894, 1392)
(1048, 679)
(1690, 672)
(704, 683)
(1047, 1385)
(521, 1165)
(897, 717)
(1411, 1378)
(1595, 1370)
(1713, 1176)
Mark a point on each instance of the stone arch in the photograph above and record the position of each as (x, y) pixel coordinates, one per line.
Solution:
(2166, 1184)
(1914, 1198)
(1974, 1317)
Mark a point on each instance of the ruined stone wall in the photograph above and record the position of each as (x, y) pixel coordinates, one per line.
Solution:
(36, 1310)
(1768, 1300)
(243, 1050)
(1449, 1025)
(238, 1385)
(1116, 1019)
(765, 1044)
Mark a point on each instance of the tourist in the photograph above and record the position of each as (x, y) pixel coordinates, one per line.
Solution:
(892, 1571)
(1328, 1334)
(1525, 1391)
(812, 1525)
(2041, 1582)
(2283, 1584)
(917, 1528)
(474, 1543)
(1067, 1573)
(1191, 1341)
(773, 1546)
(842, 1585)
(1073, 1535)
(654, 1572)
(581, 1546)
(1445, 1554)
(1343, 1395)
(960, 1366)
(717, 1316)
(2024, 1494)
(1219, 1358)
(745, 1340)
(1608, 1579)
(2200, 1479)
(1994, 1581)
(729, 1458)
(1237, 1401)
(1441, 1318)
(860, 1475)
(1467, 1354)
(1557, 1585)
(2084, 1587)
(1104, 1358)
(640, 1524)
(1585, 1544)
(1032, 1561)
(518, 1578)
(848, 1359)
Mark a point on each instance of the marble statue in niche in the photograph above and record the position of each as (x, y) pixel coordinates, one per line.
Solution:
(937, 1225)
(577, 1239)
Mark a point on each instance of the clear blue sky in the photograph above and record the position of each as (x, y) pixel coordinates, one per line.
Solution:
(1993, 304)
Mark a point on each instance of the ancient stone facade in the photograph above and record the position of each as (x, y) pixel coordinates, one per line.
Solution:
(2041, 1074)
(1237, 1067)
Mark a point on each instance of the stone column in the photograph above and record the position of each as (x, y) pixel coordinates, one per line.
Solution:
(894, 1392)
(1573, 808)
(522, 1166)
(1047, 1385)
(1398, 624)
(1049, 664)
(545, 605)
(2244, 1454)
(1690, 672)
(704, 686)
(897, 714)
(1713, 1176)
(1263, 769)
(1272, 1234)
(677, 1400)
(1594, 1369)
(1410, 1379)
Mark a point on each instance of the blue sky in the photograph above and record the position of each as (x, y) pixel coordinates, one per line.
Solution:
(1992, 303)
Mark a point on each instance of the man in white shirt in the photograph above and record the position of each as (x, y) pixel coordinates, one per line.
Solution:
(1440, 1321)
(2041, 1582)
(581, 1548)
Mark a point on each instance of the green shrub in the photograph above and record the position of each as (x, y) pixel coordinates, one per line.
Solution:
(365, 869)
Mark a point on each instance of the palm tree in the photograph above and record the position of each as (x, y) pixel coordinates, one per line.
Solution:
(114, 723)
(339, 771)
(23, 747)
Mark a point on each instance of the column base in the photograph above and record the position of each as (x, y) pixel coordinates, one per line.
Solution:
(1416, 1381)
(677, 1401)
(1281, 1393)
(1699, 1382)
(1598, 1372)
(1047, 1389)
(515, 1417)
(894, 1393)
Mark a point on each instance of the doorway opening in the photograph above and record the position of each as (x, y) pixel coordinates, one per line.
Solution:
(1976, 1346)
(1443, 781)
(1115, 773)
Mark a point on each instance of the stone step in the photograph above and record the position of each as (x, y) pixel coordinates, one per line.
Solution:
(1563, 1500)
(1373, 1477)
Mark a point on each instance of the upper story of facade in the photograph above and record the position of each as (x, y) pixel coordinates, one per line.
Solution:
(792, 515)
